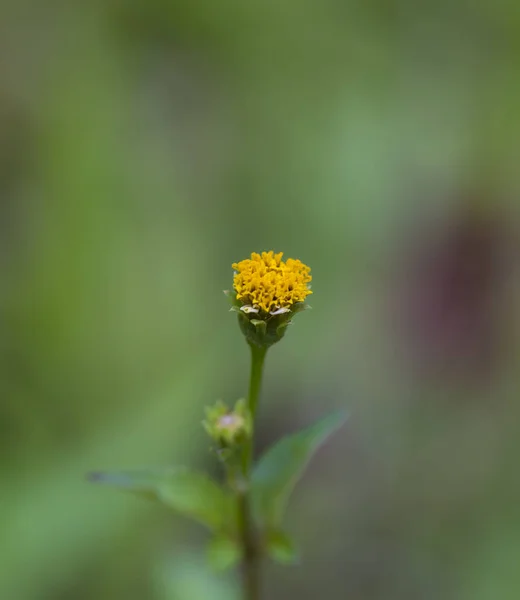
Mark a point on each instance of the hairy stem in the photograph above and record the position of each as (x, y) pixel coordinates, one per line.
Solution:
(250, 547)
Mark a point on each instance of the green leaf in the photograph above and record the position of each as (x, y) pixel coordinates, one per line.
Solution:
(281, 548)
(223, 553)
(190, 493)
(278, 471)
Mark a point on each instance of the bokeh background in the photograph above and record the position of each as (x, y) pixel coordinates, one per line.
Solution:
(147, 145)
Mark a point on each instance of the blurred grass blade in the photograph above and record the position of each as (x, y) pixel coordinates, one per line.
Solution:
(278, 471)
(190, 493)
(281, 548)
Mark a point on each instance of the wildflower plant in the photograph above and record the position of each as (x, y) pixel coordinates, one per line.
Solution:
(245, 513)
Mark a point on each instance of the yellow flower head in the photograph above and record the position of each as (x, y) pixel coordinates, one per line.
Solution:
(267, 283)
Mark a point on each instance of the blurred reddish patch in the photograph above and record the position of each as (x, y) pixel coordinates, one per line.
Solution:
(451, 315)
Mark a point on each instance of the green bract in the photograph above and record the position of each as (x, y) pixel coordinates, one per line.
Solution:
(260, 328)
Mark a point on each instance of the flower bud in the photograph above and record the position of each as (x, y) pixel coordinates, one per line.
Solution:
(228, 427)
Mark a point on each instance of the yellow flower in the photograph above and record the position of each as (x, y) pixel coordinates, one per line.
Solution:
(266, 283)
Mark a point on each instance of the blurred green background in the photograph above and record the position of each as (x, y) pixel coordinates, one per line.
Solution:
(144, 147)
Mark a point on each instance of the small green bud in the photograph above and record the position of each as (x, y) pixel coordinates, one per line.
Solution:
(228, 427)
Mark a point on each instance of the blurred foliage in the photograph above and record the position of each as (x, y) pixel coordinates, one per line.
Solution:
(144, 147)
(279, 469)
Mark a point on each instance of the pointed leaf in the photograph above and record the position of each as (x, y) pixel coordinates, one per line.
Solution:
(278, 471)
(190, 493)
(281, 548)
(223, 553)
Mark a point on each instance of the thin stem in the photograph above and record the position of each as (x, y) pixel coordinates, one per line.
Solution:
(255, 382)
(250, 548)
(251, 556)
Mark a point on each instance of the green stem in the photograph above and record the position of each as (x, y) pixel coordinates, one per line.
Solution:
(251, 555)
(250, 547)
(255, 381)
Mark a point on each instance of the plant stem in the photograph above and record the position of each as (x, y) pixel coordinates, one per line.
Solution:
(251, 551)
(255, 381)
(251, 557)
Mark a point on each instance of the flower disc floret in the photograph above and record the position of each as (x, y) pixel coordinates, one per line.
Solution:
(266, 283)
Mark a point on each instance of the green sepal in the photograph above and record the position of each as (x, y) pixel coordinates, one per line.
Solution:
(280, 330)
(281, 548)
(190, 493)
(232, 298)
(299, 307)
(280, 468)
(223, 553)
(260, 326)
(266, 330)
